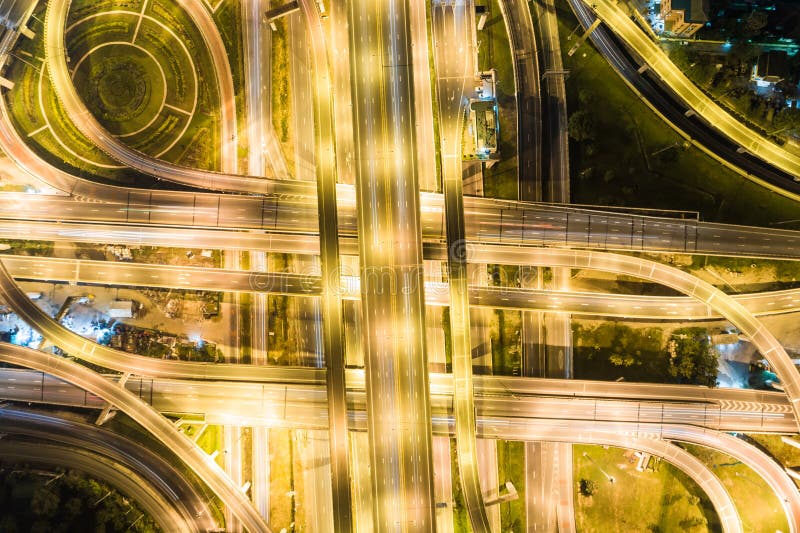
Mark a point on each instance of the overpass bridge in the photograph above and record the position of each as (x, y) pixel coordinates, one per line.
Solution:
(297, 398)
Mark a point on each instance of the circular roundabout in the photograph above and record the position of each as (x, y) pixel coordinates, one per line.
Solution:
(123, 86)
(138, 78)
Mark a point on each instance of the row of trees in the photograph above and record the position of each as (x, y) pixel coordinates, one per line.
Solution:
(611, 350)
(38, 501)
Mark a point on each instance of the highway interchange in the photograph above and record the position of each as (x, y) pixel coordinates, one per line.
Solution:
(379, 214)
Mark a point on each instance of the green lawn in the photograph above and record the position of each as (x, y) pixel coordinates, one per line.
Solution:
(245, 328)
(281, 92)
(664, 500)
(211, 440)
(281, 482)
(783, 274)
(32, 95)
(785, 454)
(33, 248)
(460, 516)
(434, 97)
(506, 342)
(81, 8)
(758, 507)
(124, 86)
(511, 467)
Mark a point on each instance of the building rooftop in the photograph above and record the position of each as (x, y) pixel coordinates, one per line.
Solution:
(695, 11)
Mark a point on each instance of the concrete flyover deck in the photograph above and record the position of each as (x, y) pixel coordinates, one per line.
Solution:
(331, 293)
(487, 221)
(454, 53)
(297, 404)
(716, 300)
(390, 260)
(125, 274)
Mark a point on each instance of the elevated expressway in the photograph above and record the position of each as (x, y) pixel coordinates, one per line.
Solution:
(721, 303)
(124, 274)
(331, 304)
(487, 221)
(719, 134)
(140, 473)
(454, 53)
(158, 426)
(291, 204)
(100, 467)
(296, 399)
(509, 408)
(390, 261)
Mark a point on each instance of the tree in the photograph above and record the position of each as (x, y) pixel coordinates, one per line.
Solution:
(691, 358)
(73, 507)
(8, 524)
(621, 360)
(680, 56)
(41, 526)
(44, 502)
(788, 117)
(585, 98)
(581, 126)
(588, 487)
(688, 524)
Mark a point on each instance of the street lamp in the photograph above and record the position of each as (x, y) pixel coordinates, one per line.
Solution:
(609, 477)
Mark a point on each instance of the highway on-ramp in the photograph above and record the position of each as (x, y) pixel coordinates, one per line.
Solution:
(100, 467)
(182, 506)
(762, 339)
(331, 293)
(455, 73)
(158, 426)
(710, 112)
